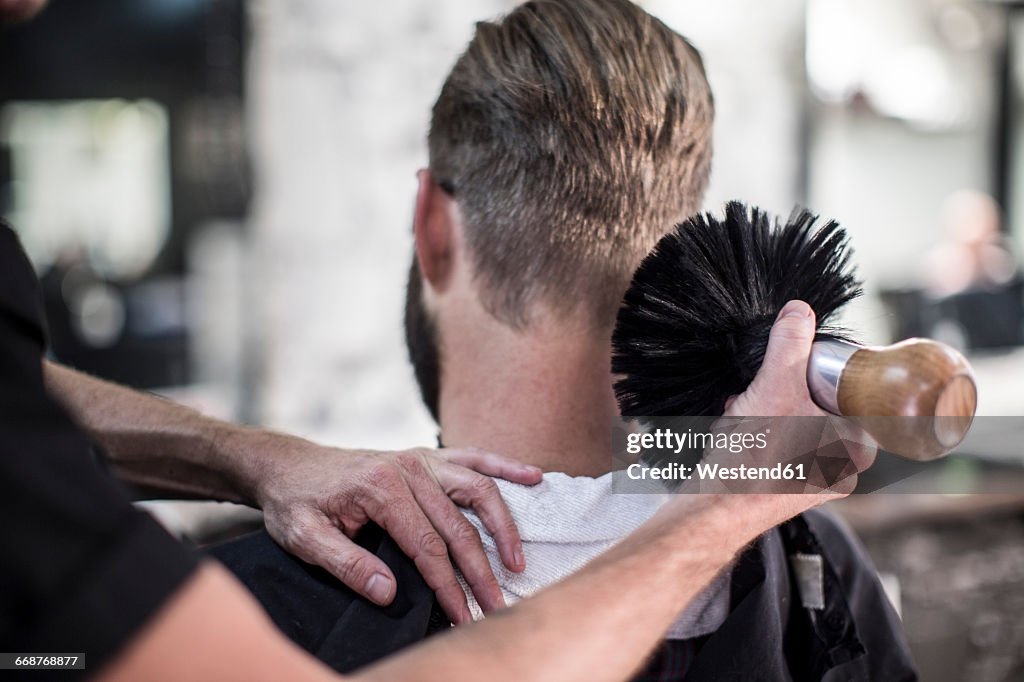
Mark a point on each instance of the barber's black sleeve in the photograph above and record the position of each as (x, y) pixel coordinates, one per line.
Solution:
(81, 570)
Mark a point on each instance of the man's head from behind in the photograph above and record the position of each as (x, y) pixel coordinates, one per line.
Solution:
(566, 140)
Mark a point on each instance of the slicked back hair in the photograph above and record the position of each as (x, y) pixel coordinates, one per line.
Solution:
(573, 134)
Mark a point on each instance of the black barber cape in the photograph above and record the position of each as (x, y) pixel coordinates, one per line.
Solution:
(81, 569)
(832, 624)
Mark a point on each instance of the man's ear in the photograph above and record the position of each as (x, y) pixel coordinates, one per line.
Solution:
(434, 226)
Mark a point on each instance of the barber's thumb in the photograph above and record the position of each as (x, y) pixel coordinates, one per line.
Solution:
(357, 568)
(789, 346)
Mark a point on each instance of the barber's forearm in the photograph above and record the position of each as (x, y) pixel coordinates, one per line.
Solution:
(159, 444)
(596, 625)
(602, 623)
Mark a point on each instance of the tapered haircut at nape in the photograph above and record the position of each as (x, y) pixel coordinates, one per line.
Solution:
(573, 134)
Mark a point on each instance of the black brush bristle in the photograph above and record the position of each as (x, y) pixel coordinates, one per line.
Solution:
(694, 325)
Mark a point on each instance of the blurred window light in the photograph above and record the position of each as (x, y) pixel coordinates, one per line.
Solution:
(914, 60)
(90, 176)
(916, 85)
(833, 36)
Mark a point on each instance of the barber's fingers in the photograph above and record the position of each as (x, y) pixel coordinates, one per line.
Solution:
(395, 509)
(780, 387)
(789, 347)
(316, 540)
(461, 536)
(481, 494)
(490, 464)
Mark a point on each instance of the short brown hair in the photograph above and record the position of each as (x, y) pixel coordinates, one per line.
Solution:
(573, 134)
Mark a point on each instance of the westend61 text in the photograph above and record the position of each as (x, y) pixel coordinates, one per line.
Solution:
(715, 472)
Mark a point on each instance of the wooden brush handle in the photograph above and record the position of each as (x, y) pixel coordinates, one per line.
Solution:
(928, 385)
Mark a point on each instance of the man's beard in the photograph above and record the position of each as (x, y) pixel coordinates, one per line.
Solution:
(421, 339)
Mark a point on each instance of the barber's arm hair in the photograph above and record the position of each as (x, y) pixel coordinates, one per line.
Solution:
(162, 446)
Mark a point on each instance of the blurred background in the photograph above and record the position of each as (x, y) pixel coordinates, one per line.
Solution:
(218, 193)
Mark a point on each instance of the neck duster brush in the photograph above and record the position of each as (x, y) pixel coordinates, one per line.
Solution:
(694, 325)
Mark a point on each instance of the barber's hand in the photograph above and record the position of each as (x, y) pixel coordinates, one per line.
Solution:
(780, 387)
(780, 390)
(316, 505)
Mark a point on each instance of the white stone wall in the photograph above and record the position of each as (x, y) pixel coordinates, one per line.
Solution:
(341, 94)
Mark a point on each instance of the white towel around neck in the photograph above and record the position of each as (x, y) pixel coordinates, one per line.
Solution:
(567, 521)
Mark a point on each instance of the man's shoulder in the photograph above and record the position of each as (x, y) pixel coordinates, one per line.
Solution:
(323, 616)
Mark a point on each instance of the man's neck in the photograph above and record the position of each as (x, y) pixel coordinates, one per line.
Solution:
(543, 396)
